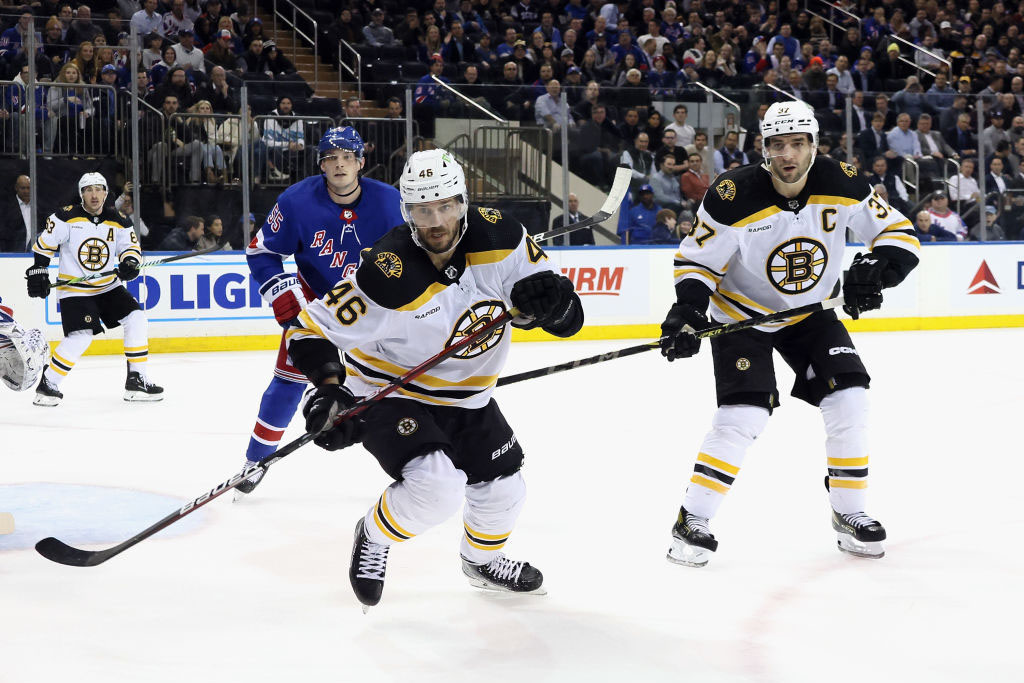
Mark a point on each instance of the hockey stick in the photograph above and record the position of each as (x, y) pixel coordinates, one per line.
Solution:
(648, 346)
(58, 551)
(145, 264)
(620, 186)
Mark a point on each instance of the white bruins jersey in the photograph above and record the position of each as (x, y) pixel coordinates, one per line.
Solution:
(397, 310)
(87, 245)
(760, 252)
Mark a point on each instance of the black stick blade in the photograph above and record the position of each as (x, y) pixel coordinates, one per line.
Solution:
(60, 552)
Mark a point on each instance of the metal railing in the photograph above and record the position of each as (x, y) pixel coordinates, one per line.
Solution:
(918, 50)
(293, 23)
(285, 154)
(850, 18)
(510, 163)
(473, 103)
(356, 72)
(385, 141)
(712, 94)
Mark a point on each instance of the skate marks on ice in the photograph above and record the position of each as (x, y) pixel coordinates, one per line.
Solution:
(84, 515)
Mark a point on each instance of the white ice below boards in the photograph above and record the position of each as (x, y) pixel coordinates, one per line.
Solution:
(258, 592)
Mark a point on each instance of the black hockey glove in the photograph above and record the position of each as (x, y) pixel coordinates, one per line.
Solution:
(38, 281)
(128, 269)
(862, 286)
(677, 332)
(545, 297)
(325, 404)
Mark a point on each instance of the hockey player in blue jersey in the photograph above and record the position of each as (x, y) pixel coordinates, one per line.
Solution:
(324, 221)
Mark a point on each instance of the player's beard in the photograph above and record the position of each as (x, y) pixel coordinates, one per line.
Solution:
(791, 176)
(434, 244)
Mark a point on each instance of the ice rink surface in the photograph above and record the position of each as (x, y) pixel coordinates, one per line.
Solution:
(258, 591)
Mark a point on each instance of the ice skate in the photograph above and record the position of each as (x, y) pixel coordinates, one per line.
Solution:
(366, 572)
(47, 394)
(503, 574)
(137, 388)
(250, 483)
(859, 534)
(692, 541)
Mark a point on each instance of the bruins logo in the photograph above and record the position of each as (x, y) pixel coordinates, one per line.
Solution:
(848, 169)
(389, 264)
(726, 190)
(407, 426)
(93, 254)
(796, 266)
(742, 364)
(68, 207)
(471, 321)
(490, 215)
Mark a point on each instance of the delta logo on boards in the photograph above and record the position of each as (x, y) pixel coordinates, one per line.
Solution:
(984, 281)
(602, 281)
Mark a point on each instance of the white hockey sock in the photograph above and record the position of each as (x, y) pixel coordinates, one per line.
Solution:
(136, 341)
(733, 429)
(491, 510)
(430, 492)
(846, 448)
(66, 355)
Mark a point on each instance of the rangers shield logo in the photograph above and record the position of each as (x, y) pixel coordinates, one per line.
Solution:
(726, 190)
(472, 320)
(389, 264)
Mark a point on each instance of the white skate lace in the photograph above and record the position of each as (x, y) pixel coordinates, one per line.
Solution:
(698, 524)
(373, 561)
(858, 519)
(505, 569)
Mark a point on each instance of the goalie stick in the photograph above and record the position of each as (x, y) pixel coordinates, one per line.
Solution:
(145, 264)
(60, 552)
(620, 186)
(648, 346)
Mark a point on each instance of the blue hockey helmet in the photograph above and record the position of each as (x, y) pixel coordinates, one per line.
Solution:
(344, 138)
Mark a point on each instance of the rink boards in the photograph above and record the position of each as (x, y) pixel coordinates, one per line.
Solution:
(209, 303)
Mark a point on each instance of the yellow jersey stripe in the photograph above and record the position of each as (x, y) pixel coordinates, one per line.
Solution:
(486, 537)
(885, 236)
(479, 258)
(384, 529)
(727, 307)
(848, 462)
(390, 518)
(479, 381)
(429, 293)
(740, 299)
(349, 370)
(308, 325)
(709, 484)
(896, 226)
(679, 272)
(498, 546)
(718, 464)
(760, 215)
(830, 199)
(846, 484)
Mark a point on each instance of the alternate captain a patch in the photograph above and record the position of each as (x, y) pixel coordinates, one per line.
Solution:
(490, 215)
(726, 190)
(848, 169)
(389, 264)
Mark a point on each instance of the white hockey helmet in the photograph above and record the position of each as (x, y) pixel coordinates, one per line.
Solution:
(784, 118)
(88, 179)
(429, 176)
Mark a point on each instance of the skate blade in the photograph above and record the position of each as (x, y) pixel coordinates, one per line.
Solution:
(490, 587)
(366, 609)
(140, 397)
(239, 496)
(868, 550)
(46, 401)
(6, 523)
(681, 552)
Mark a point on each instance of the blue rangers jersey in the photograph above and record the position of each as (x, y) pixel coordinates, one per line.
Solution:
(325, 238)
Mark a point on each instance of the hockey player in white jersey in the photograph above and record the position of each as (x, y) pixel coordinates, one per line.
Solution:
(87, 238)
(767, 239)
(450, 269)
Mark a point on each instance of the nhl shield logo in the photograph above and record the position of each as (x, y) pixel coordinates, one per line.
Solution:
(348, 215)
(389, 264)
(848, 169)
(726, 190)
(490, 215)
(407, 426)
